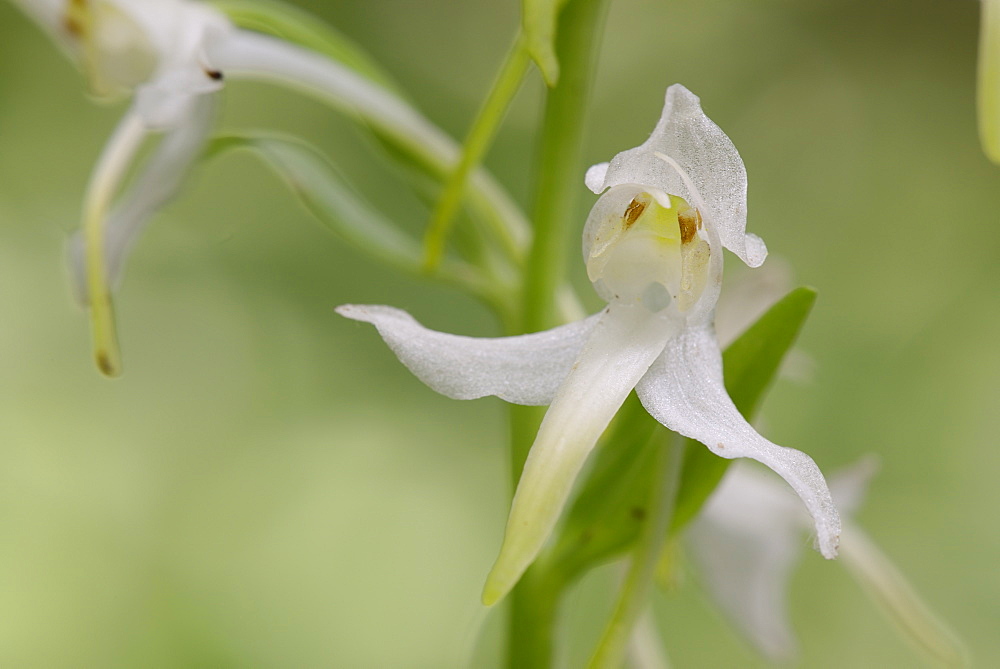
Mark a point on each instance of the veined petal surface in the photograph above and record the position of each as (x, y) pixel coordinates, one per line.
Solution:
(623, 344)
(684, 390)
(709, 172)
(527, 369)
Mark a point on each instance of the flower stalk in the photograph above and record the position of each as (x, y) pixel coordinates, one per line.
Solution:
(476, 144)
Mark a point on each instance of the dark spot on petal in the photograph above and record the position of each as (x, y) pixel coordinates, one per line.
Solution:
(214, 74)
(690, 223)
(634, 211)
(75, 18)
(73, 26)
(104, 363)
(720, 445)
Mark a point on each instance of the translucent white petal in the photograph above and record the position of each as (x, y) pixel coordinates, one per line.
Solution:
(684, 390)
(594, 178)
(524, 370)
(157, 184)
(706, 156)
(623, 344)
(746, 542)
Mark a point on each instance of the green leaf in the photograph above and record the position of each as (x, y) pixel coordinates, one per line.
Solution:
(538, 20)
(477, 142)
(336, 204)
(301, 28)
(607, 514)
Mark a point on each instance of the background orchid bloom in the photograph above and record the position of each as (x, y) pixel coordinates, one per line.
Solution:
(748, 540)
(173, 57)
(653, 249)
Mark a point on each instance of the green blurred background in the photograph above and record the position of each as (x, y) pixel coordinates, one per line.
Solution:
(266, 486)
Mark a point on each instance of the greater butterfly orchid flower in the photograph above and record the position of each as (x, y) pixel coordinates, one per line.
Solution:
(652, 245)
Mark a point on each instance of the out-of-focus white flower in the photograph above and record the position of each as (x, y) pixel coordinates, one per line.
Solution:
(653, 249)
(748, 539)
(172, 57)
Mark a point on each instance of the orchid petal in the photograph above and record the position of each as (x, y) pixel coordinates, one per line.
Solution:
(696, 161)
(159, 182)
(527, 369)
(746, 542)
(623, 344)
(684, 390)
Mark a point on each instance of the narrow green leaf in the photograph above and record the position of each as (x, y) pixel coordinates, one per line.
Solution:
(301, 28)
(477, 142)
(607, 514)
(331, 199)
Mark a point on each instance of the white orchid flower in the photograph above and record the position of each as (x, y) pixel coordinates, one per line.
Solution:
(748, 539)
(653, 249)
(173, 56)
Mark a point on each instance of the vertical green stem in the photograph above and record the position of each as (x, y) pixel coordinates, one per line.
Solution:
(534, 601)
(611, 649)
(560, 173)
(533, 607)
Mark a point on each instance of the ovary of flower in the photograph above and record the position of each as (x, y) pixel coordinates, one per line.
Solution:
(653, 248)
(173, 56)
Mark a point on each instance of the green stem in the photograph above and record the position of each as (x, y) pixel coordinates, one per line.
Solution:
(477, 142)
(560, 173)
(533, 608)
(610, 652)
(534, 601)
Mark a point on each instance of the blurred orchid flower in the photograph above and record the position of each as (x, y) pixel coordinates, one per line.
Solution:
(653, 249)
(747, 541)
(172, 57)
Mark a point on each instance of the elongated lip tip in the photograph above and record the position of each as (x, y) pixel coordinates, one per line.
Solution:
(494, 590)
